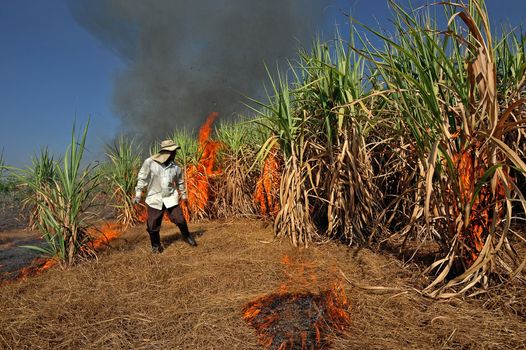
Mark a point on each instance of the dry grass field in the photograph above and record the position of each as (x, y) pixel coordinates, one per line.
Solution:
(192, 298)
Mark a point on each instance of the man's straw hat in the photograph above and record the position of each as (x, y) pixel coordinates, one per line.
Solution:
(167, 147)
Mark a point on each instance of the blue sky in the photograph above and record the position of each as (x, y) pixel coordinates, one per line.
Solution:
(53, 72)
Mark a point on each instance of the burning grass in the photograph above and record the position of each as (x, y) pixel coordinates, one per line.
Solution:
(38, 266)
(298, 320)
(198, 175)
(100, 238)
(267, 186)
(444, 99)
(461, 197)
(331, 150)
(104, 234)
(296, 316)
(191, 298)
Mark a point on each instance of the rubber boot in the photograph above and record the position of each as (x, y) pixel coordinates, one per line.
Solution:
(186, 234)
(155, 239)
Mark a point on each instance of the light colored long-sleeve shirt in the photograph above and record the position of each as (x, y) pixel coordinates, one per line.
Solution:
(165, 184)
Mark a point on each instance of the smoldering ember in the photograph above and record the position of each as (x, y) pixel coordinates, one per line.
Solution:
(363, 191)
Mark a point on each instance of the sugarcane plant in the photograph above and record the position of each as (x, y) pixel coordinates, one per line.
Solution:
(510, 54)
(64, 203)
(121, 175)
(7, 183)
(189, 153)
(3, 185)
(419, 138)
(333, 91)
(320, 123)
(41, 174)
(239, 139)
(444, 90)
(287, 127)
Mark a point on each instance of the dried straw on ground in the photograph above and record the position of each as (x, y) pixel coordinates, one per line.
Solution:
(193, 298)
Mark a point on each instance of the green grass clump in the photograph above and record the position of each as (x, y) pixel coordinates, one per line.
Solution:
(62, 194)
(124, 162)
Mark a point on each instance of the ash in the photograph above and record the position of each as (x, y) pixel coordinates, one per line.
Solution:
(298, 320)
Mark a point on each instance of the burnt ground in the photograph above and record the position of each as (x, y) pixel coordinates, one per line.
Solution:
(13, 236)
(13, 255)
(192, 298)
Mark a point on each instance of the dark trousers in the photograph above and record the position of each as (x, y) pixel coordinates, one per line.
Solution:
(155, 219)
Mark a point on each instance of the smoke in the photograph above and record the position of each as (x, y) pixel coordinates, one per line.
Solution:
(185, 59)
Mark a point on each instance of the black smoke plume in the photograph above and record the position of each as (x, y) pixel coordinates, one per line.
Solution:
(185, 59)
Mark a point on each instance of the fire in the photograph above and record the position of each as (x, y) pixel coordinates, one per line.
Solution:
(290, 320)
(471, 169)
(302, 319)
(37, 266)
(268, 185)
(141, 214)
(198, 175)
(104, 234)
(101, 236)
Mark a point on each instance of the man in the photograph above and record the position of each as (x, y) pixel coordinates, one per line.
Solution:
(166, 187)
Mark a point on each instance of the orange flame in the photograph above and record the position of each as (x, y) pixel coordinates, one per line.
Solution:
(104, 234)
(267, 186)
(141, 213)
(286, 320)
(198, 176)
(470, 170)
(36, 267)
(101, 237)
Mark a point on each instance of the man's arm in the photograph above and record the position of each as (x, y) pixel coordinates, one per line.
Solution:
(142, 178)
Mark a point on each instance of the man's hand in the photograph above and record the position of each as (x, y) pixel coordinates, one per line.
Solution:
(136, 200)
